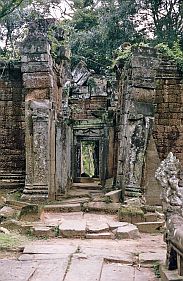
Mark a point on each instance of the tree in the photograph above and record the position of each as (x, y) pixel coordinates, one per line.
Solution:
(98, 28)
(163, 19)
(8, 7)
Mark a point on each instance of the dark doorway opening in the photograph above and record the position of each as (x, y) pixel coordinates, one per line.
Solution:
(90, 158)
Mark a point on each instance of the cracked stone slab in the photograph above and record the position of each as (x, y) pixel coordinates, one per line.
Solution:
(84, 269)
(50, 271)
(73, 228)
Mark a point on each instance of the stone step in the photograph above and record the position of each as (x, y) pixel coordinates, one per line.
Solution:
(90, 186)
(169, 275)
(104, 235)
(150, 227)
(150, 217)
(75, 193)
(102, 207)
(77, 200)
(63, 208)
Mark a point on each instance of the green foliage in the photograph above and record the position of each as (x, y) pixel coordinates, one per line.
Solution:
(156, 268)
(174, 53)
(8, 6)
(11, 241)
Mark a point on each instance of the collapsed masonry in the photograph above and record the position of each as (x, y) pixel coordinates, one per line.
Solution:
(47, 112)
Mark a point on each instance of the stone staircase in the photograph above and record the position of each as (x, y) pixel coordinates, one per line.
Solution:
(86, 212)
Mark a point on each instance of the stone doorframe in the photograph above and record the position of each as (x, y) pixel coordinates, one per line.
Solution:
(100, 134)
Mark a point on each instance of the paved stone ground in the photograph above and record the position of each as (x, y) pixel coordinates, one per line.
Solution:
(86, 260)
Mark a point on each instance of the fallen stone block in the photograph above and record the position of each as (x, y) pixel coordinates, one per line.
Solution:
(129, 231)
(150, 227)
(114, 196)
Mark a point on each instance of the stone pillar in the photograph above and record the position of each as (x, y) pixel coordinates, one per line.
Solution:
(38, 81)
(136, 113)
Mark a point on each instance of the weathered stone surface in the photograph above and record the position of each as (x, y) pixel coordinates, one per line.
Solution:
(129, 231)
(150, 217)
(96, 227)
(73, 228)
(103, 235)
(169, 275)
(52, 270)
(63, 208)
(118, 271)
(15, 270)
(7, 212)
(87, 269)
(114, 196)
(149, 258)
(150, 227)
(37, 257)
(102, 207)
(43, 231)
(130, 214)
(115, 224)
(50, 249)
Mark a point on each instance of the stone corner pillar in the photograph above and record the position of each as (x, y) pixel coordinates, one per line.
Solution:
(38, 82)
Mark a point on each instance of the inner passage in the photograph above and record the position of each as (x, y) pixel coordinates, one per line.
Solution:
(90, 159)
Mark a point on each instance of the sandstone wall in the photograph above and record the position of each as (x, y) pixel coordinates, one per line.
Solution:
(12, 126)
(168, 128)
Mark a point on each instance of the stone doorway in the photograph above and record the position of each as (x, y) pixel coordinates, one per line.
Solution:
(87, 160)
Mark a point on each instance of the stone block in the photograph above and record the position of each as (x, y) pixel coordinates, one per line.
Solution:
(36, 67)
(37, 80)
(150, 227)
(7, 212)
(130, 213)
(43, 231)
(96, 227)
(150, 217)
(114, 196)
(169, 275)
(63, 208)
(73, 228)
(104, 235)
(102, 207)
(129, 231)
(37, 94)
(35, 58)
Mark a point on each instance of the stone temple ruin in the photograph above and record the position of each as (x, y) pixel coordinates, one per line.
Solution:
(48, 112)
(61, 127)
